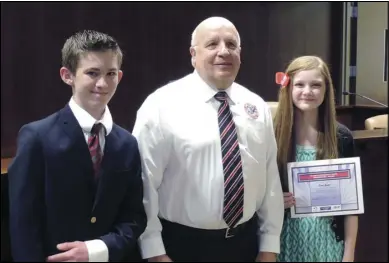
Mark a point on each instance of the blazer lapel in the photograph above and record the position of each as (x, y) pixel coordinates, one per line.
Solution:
(79, 150)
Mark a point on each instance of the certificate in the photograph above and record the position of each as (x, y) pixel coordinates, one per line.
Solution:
(326, 187)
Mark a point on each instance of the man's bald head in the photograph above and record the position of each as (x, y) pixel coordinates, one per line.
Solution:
(212, 23)
(215, 51)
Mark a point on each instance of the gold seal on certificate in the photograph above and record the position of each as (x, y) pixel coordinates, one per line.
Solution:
(326, 187)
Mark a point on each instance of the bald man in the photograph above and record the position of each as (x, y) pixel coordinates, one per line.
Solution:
(211, 186)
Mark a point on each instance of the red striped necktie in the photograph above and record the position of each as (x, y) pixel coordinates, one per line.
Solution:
(95, 148)
(232, 163)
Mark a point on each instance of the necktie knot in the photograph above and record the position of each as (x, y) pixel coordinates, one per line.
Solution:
(96, 128)
(221, 96)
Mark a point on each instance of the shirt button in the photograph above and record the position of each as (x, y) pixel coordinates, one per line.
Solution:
(93, 220)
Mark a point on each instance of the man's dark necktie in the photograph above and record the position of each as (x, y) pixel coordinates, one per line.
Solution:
(232, 163)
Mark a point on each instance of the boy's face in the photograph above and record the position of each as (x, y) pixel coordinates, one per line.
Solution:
(94, 81)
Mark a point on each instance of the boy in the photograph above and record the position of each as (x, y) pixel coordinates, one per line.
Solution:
(75, 184)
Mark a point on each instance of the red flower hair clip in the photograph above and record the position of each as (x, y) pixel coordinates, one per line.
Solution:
(282, 79)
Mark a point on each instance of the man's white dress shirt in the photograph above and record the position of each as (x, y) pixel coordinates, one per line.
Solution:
(178, 135)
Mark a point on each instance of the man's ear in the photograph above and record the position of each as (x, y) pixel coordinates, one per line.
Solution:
(66, 76)
(192, 51)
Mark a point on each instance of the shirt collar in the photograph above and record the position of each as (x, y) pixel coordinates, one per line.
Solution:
(86, 120)
(207, 92)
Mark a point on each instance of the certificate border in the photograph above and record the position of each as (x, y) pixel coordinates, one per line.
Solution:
(318, 212)
(358, 182)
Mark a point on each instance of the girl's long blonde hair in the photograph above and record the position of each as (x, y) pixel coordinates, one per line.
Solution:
(326, 147)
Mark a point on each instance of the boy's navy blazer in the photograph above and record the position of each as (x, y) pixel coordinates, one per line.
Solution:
(54, 198)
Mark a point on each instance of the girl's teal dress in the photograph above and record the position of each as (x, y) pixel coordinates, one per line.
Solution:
(309, 239)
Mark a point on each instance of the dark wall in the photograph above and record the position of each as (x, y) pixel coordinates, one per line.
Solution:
(155, 37)
(305, 28)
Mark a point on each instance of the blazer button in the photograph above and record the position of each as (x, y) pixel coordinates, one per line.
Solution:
(93, 220)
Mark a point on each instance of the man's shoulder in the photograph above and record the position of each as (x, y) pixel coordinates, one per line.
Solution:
(168, 93)
(173, 87)
(247, 95)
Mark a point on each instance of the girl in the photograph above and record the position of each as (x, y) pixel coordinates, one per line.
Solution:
(306, 129)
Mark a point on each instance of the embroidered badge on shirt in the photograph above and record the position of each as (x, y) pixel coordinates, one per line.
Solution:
(251, 110)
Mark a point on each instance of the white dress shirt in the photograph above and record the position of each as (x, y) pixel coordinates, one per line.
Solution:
(97, 249)
(178, 135)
